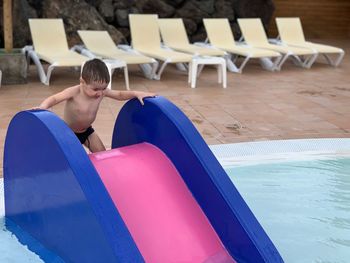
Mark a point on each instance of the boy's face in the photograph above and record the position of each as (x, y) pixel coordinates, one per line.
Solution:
(93, 89)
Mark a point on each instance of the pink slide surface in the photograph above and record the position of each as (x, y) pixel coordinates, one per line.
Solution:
(160, 212)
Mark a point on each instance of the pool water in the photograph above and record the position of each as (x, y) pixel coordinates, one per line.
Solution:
(13, 251)
(304, 206)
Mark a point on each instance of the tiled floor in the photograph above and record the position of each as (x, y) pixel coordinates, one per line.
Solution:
(257, 105)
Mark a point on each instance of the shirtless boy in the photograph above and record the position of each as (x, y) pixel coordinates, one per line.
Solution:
(83, 101)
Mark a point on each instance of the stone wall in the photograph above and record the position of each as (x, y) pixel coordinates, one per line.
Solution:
(112, 15)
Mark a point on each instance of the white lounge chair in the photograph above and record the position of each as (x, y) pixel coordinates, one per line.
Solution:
(100, 44)
(174, 35)
(146, 40)
(255, 36)
(291, 33)
(220, 36)
(50, 44)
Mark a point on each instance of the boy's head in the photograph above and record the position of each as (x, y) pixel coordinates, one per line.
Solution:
(95, 70)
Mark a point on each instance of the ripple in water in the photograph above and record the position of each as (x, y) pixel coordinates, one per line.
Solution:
(304, 206)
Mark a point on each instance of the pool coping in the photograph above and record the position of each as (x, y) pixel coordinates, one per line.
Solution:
(250, 153)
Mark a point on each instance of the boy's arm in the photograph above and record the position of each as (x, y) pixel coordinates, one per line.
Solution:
(127, 95)
(58, 97)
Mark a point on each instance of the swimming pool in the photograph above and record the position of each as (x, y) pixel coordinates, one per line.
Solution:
(301, 197)
(303, 205)
(292, 188)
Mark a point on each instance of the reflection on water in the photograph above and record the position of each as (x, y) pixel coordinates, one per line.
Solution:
(304, 206)
(11, 250)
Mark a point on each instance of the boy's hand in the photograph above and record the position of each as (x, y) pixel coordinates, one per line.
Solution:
(36, 108)
(141, 95)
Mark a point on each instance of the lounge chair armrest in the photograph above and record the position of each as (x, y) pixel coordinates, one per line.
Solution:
(128, 49)
(78, 48)
(26, 49)
(163, 46)
(125, 47)
(241, 43)
(202, 44)
(241, 39)
(89, 54)
(275, 41)
(84, 51)
(205, 45)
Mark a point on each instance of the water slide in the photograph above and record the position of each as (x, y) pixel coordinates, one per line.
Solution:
(159, 195)
(157, 207)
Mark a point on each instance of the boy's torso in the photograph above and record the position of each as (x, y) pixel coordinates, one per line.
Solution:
(80, 111)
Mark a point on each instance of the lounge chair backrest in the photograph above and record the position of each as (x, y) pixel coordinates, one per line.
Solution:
(290, 30)
(219, 32)
(144, 31)
(98, 41)
(48, 35)
(253, 31)
(173, 32)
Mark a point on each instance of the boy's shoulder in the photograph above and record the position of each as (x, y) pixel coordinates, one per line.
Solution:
(74, 90)
(67, 93)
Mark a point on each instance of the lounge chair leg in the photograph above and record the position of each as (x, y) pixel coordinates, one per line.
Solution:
(234, 59)
(268, 64)
(28, 61)
(222, 75)
(284, 58)
(194, 74)
(231, 66)
(230, 63)
(329, 60)
(126, 77)
(160, 71)
(336, 62)
(25, 51)
(149, 70)
(310, 61)
(276, 63)
(110, 72)
(245, 61)
(154, 69)
(298, 61)
(181, 67)
(218, 69)
(41, 72)
(48, 75)
(146, 70)
(339, 59)
(190, 65)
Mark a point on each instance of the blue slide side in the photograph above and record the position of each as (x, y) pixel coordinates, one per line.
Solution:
(53, 192)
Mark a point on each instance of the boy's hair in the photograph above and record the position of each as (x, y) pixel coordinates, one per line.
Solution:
(95, 70)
